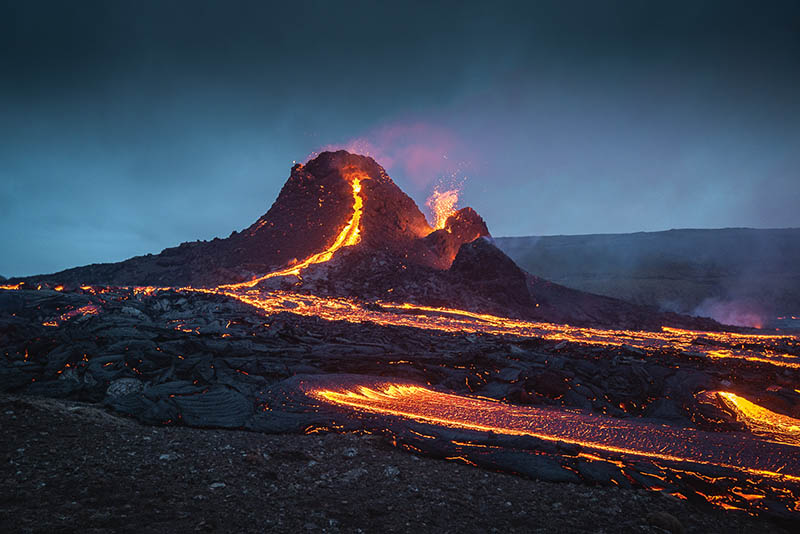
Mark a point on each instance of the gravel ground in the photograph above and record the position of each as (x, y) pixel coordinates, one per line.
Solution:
(73, 467)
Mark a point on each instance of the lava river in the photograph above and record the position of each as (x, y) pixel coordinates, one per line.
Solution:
(737, 451)
(754, 348)
(348, 236)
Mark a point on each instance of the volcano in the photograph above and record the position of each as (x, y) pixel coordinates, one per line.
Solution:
(314, 207)
(341, 227)
(343, 309)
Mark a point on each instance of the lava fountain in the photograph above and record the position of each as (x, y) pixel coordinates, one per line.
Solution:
(442, 204)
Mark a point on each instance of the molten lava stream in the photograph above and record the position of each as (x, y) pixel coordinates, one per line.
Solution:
(349, 236)
(738, 451)
(761, 420)
(462, 321)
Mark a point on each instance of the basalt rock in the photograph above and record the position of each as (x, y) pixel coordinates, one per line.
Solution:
(491, 273)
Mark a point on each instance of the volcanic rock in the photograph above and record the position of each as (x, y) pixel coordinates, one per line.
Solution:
(666, 521)
(534, 466)
(490, 272)
(440, 247)
(124, 386)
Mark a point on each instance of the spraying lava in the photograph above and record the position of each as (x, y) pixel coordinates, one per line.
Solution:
(442, 205)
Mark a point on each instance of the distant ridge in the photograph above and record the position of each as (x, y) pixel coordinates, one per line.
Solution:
(728, 274)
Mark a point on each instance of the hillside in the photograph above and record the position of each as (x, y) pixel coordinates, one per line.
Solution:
(735, 275)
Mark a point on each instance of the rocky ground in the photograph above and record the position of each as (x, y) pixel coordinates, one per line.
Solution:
(175, 360)
(73, 467)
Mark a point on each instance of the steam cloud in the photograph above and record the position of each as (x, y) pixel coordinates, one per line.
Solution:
(737, 313)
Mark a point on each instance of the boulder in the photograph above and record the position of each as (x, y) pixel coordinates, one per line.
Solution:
(124, 386)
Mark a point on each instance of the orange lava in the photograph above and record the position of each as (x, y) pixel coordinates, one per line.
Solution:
(89, 309)
(761, 420)
(595, 433)
(349, 236)
(442, 205)
(11, 287)
(753, 348)
(460, 321)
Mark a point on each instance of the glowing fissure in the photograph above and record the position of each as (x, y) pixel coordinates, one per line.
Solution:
(740, 453)
(349, 236)
(89, 309)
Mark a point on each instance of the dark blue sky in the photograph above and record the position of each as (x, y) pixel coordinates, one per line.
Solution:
(128, 127)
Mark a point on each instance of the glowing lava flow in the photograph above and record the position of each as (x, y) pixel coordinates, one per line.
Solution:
(11, 287)
(753, 348)
(463, 321)
(628, 437)
(349, 236)
(761, 420)
(89, 309)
